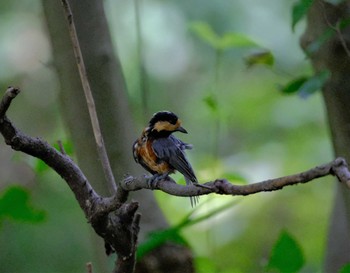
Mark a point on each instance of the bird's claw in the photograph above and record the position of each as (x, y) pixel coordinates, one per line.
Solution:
(153, 181)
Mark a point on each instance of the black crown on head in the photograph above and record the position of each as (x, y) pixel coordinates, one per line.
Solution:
(163, 116)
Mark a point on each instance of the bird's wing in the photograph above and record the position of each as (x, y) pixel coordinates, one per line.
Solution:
(182, 145)
(170, 150)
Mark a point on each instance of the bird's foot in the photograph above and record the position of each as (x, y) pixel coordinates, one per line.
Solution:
(153, 181)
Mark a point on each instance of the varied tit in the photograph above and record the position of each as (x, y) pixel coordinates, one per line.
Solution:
(161, 153)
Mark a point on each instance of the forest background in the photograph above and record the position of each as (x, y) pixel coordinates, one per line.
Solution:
(241, 123)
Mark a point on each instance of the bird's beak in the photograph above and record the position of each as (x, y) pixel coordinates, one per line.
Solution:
(181, 129)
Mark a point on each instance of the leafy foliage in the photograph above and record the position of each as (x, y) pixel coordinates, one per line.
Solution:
(226, 41)
(263, 57)
(299, 10)
(172, 234)
(317, 43)
(306, 86)
(294, 85)
(286, 256)
(345, 269)
(15, 204)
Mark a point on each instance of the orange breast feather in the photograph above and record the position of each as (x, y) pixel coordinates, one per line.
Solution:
(150, 159)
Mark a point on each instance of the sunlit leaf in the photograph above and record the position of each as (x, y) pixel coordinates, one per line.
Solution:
(294, 85)
(232, 40)
(205, 33)
(204, 265)
(15, 204)
(263, 57)
(314, 84)
(299, 10)
(345, 269)
(286, 256)
(226, 41)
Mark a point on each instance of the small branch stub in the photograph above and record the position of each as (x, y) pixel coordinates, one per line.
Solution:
(10, 94)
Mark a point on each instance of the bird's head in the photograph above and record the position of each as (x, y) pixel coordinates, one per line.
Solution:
(164, 123)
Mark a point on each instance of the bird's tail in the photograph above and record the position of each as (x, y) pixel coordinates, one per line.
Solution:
(193, 199)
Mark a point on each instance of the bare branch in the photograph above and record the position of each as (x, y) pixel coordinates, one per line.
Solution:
(10, 94)
(113, 220)
(90, 100)
(338, 168)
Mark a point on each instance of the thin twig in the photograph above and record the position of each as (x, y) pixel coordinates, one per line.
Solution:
(90, 100)
(336, 28)
(60, 146)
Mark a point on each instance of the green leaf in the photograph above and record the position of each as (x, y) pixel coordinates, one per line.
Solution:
(305, 86)
(299, 10)
(157, 239)
(263, 57)
(172, 234)
(326, 35)
(205, 33)
(212, 103)
(227, 41)
(319, 41)
(314, 84)
(15, 204)
(286, 256)
(232, 40)
(204, 265)
(294, 85)
(345, 269)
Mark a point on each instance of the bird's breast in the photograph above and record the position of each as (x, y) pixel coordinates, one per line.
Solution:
(147, 156)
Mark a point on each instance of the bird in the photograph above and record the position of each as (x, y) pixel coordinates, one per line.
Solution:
(159, 152)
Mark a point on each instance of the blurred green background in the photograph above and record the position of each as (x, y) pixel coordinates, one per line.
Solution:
(240, 123)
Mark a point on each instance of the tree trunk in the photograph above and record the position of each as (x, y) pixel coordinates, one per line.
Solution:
(334, 56)
(108, 87)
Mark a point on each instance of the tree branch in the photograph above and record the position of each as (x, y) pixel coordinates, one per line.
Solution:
(338, 168)
(116, 221)
(111, 218)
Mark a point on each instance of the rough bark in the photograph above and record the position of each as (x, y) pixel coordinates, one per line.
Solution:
(334, 56)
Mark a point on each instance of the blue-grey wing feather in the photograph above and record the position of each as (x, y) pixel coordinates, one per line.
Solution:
(171, 150)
